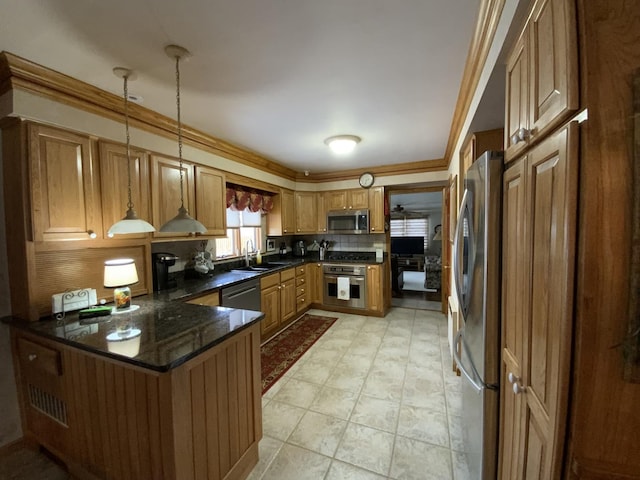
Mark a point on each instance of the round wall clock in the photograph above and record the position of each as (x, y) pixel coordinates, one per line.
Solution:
(366, 180)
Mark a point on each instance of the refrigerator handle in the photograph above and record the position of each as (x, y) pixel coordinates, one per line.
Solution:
(455, 263)
(478, 387)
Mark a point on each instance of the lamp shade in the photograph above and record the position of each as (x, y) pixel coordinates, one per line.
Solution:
(120, 272)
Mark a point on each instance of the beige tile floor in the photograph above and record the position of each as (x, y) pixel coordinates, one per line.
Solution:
(374, 398)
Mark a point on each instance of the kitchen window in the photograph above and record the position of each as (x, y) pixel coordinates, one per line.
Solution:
(242, 227)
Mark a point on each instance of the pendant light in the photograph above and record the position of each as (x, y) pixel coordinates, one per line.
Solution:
(182, 222)
(130, 223)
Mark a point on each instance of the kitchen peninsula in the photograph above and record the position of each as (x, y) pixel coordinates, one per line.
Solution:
(169, 391)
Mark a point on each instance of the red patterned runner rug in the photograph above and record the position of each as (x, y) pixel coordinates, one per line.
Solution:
(283, 350)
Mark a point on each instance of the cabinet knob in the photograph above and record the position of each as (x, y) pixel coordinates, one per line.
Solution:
(518, 389)
(92, 234)
(520, 136)
(32, 357)
(373, 228)
(514, 380)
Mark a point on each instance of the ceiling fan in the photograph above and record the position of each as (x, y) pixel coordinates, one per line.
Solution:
(400, 211)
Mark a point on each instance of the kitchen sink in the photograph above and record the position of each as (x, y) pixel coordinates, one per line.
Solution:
(264, 267)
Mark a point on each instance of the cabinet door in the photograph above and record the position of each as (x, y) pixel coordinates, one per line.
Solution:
(65, 199)
(321, 206)
(374, 288)
(211, 200)
(337, 200)
(358, 199)
(552, 175)
(514, 254)
(305, 210)
(315, 282)
(553, 65)
(270, 306)
(114, 181)
(517, 113)
(288, 212)
(376, 210)
(209, 300)
(165, 192)
(287, 300)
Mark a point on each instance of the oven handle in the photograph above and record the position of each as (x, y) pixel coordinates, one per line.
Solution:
(357, 278)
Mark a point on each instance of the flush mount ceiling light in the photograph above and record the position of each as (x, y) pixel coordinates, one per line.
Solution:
(183, 222)
(342, 144)
(130, 223)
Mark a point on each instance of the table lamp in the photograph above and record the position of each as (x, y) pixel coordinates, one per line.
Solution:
(119, 274)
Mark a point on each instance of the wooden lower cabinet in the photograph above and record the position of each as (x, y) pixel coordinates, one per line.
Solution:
(316, 285)
(113, 420)
(539, 244)
(375, 301)
(209, 299)
(302, 289)
(278, 300)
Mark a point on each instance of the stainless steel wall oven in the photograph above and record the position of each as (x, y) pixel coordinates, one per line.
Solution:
(345, 285)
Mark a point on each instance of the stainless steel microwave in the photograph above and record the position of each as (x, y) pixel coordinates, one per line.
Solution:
(348, 221)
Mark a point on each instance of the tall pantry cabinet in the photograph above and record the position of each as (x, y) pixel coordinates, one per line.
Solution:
(539, 230)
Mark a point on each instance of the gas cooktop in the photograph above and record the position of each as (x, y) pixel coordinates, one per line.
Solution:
(350, 256)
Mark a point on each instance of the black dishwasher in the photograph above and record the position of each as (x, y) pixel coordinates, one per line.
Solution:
(244, 295)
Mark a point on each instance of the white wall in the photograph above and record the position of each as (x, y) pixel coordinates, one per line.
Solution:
(10, 428)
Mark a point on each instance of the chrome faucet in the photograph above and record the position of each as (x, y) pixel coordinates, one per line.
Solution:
(246, 252)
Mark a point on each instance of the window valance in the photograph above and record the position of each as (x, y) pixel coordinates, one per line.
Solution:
(240, 198)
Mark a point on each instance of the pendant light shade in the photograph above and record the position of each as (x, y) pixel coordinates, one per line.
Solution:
(130, 223)
(183, 222)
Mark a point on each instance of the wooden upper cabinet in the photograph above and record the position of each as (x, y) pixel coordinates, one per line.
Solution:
(114, 183)
(347, 199)
(321, 207)
(376, 210)
(306, 212)
(542, 75)
(477, 144)
(517, 108)
(211, 200)
(165, 192)
(65, 190)
(281, 220)
(288, 212)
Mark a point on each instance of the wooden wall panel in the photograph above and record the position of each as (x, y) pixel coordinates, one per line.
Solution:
(605, 416)
(57, 271)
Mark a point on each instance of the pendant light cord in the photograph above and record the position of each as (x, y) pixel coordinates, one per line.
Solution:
(179, 128)
(126, 124)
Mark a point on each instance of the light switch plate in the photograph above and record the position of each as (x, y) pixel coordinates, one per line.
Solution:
(73, 300)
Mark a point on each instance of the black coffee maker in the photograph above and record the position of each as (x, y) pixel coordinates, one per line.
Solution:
(161, 263)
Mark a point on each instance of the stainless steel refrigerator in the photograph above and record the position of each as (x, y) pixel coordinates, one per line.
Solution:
(476, 272)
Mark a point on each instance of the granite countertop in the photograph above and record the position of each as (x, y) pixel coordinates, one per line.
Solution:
(160, 335)
(165, 331)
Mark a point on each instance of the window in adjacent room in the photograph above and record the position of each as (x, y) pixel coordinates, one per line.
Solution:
(411, 227)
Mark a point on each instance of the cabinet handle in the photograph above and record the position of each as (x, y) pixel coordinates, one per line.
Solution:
(32, 357)
(302, 290)
(518, 389)
(512, 378)
(92, 234)
(520, 136)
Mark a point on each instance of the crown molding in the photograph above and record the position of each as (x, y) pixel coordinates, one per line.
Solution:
(421, 166)
(22, 74)
(486, 26)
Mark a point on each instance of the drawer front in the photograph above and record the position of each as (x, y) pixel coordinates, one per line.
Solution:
(211, 299)
(301, 281)
(287, 274)
(301, 303)
(301, 290)
(269, 281)
(300, 270)
(39, 357)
